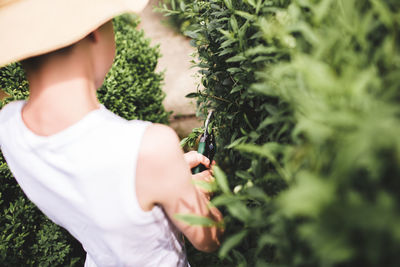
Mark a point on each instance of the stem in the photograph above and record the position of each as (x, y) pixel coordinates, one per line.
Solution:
(215, 97)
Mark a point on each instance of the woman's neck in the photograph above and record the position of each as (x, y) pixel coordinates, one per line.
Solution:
(60, 95)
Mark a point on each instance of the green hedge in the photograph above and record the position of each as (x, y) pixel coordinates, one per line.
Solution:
(306, 94)
(176, 16)
(132, 89)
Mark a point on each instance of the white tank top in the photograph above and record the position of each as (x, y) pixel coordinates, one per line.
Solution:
(83, 179)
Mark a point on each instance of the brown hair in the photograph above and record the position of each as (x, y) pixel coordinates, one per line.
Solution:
(35, 62)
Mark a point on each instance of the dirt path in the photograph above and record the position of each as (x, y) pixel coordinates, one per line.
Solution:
(179, 76)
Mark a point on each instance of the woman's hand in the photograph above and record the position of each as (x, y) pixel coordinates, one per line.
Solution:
(163, 178)
(193, 158)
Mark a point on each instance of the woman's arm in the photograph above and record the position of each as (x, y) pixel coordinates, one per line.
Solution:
(163, 177)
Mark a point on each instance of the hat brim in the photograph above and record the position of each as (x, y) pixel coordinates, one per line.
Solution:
(34, 27)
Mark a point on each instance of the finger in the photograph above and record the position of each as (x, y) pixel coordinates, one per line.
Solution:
(203, 176)
(193, 158)
(190, 158)
(212, 167)
(203, 160)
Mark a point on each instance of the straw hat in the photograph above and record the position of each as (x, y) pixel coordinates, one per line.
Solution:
(33, 27)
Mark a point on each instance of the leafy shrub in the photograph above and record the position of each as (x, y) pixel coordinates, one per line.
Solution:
(177, 19)
(230, 51)
(306, 95)
(132, 87)
(132, 90)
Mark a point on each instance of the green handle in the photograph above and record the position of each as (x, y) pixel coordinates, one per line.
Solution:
(200, 167)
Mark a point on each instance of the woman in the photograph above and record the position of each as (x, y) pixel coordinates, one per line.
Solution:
(115, 185)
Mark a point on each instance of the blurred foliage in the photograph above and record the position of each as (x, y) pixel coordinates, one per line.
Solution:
(306, 98)
(132, 90)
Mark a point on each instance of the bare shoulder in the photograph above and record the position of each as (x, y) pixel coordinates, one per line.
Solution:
(159, 165)
(158, 150)
(158, 140)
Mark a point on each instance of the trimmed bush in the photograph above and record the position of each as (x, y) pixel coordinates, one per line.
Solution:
(132, 90)
(306, 95)
(132, 87)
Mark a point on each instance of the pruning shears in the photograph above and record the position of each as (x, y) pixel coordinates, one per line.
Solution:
(207, 146)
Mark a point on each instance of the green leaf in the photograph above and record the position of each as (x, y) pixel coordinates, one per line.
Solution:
(244, 175)
(221, 180)
(266, 239)
(223, 200)
(260, 49)
(228, 4)
(234, 24)
(182, 5)
(231, 242)
(184, 141)
(236, 89)
(207, 186)
(245, 15)
(271, 120)
(383, 11)
(239, 210)
(226, 51)
(227, 43)
(228, 35)
(238, 141)
(195, 220)
(263, 151)
(234, 70)
(252, 3)
(173, 4)
(259, 4)
(308, 197)
(192, 95)
(257, 193)
(191, 34)
(236, 58)
(264, 88)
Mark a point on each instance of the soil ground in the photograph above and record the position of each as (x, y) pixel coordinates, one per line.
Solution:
(175, 61)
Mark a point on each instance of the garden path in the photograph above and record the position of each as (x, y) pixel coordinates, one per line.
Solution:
(175, 61)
